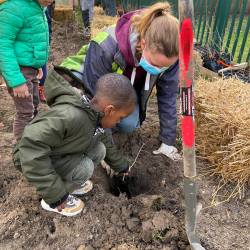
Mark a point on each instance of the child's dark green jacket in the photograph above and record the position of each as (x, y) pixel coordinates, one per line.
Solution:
(62, 135)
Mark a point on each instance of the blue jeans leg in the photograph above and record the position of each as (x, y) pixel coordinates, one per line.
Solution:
(130, 123)
(85, 168)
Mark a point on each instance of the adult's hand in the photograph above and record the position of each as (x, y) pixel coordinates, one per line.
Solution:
(169, 151)
(21, 91)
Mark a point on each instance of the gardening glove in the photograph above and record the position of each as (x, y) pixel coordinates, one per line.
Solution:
(170, 151)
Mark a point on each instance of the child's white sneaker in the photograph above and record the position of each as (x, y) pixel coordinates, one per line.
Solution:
(85, 188)
(73, 206)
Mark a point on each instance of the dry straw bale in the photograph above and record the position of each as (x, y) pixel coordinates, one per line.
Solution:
(101, 21)
(223, 129)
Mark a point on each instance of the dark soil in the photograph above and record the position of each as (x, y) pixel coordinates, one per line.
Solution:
(153, 218)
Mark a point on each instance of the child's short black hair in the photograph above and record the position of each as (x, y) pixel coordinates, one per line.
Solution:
(117, 89)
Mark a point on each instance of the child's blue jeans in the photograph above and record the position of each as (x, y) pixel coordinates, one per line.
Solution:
(85, 167)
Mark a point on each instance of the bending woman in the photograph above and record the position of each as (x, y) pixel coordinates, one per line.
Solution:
(143, 46)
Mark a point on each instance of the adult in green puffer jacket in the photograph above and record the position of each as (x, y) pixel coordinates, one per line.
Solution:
(24, 45)
(60, 147)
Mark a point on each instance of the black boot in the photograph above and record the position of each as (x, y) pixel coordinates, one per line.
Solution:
(86, 22)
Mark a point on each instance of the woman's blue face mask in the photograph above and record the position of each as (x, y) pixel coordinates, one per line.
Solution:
(153, 70)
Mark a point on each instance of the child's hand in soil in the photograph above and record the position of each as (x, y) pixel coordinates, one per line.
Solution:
(110, 172)
(21, 91)
(125, 171)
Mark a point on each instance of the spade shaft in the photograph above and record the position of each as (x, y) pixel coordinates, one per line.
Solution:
(187, 118)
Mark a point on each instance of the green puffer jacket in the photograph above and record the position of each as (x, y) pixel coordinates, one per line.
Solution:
(24, 39)
(61, 136)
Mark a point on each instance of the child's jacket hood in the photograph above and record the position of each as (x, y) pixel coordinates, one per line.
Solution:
(58, 91)
(55, 141)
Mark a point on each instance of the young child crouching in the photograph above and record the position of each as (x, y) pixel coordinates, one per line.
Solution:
(60, 147)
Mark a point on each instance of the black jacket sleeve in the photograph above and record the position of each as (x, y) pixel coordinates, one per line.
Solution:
(167, 89)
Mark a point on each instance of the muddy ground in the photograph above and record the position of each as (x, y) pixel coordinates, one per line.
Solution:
(152, 220)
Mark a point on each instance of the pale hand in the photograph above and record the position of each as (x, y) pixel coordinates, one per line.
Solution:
(169, 151)
(21, 91)
(39, 74)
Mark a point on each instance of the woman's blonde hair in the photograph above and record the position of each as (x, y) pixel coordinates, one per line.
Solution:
(159, 28)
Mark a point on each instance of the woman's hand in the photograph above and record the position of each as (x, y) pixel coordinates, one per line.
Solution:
(169, 151)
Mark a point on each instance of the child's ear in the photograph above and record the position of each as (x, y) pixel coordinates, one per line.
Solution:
(108, 110)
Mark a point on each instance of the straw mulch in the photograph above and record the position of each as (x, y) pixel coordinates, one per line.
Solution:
(223, 130)
(101, 21)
